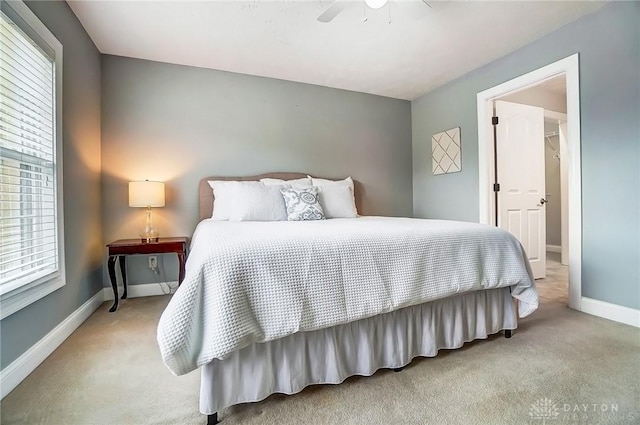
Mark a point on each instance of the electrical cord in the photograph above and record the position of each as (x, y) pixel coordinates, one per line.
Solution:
(165, 287)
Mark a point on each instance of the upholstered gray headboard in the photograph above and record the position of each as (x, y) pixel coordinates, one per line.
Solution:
(206, 194)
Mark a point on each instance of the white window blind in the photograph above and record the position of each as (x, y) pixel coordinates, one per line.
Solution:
(28, 189)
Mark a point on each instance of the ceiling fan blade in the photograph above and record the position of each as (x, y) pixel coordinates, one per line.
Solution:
(333, 10)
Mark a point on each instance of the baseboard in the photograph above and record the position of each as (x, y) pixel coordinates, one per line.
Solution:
(143, 290)
(20, 368)
(554, 248)
(617, 313)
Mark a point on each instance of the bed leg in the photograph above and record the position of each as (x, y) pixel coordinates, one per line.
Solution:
(212, 419)
(398, 369)
(507, 333)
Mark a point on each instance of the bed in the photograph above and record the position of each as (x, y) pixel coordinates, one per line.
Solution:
(272, 307)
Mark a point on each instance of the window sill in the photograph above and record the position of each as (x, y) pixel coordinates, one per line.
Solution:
(19, 298)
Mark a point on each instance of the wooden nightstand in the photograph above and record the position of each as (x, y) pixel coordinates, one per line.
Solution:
(123, 247)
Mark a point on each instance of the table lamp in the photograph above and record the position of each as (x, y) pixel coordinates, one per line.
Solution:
(147, 194)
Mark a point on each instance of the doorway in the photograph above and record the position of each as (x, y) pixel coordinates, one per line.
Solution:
(568, 129)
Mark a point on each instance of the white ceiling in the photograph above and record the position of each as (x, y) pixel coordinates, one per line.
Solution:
(421, 49)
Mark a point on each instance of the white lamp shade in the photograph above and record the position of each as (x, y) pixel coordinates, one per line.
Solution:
(146, 194)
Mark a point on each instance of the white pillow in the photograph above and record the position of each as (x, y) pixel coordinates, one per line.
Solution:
(337, 201)
(304, 181)
(342, 208)
(223, 202)
(324, 182)
(247, 201)
(255, 201)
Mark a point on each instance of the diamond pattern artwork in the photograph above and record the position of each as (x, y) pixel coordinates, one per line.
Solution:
(445, 152)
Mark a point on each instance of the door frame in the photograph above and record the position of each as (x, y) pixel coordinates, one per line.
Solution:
(570, 68)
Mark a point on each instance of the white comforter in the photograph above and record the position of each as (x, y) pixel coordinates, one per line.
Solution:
(258, 281)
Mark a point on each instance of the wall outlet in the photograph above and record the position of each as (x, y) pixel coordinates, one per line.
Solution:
(153, 262)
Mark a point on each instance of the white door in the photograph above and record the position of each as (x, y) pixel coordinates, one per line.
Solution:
(520, 159)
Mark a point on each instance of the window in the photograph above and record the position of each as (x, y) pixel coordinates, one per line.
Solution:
(31, 248)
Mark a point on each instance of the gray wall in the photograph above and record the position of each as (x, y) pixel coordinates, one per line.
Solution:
(608, 42)
(179, 124)
(81, 175)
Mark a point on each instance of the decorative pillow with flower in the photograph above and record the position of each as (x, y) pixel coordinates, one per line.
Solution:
(302, 204)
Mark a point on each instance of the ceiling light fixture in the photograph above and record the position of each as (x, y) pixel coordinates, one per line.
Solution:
(375, 4)
(338, 5)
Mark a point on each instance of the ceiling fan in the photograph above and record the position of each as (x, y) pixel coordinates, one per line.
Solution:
(338, 5)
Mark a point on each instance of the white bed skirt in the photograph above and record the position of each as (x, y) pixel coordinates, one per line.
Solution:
(329, 356)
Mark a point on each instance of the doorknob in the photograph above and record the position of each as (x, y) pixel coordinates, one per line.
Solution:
(543, 201)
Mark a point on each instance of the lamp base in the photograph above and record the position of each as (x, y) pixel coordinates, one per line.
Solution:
(149, 236)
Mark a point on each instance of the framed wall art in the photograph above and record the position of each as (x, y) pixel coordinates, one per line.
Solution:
(446, 152)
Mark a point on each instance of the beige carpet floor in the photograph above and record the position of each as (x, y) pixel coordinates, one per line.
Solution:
(588, 370)
(555, 285)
